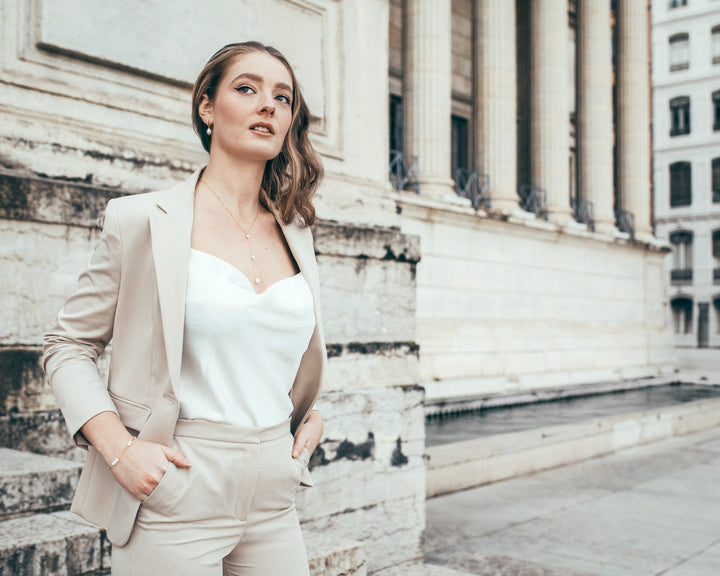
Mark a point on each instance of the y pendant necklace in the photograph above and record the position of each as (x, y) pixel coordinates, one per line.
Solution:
(237, 222)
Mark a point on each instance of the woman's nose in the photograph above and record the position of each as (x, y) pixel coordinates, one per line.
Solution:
(267, 106)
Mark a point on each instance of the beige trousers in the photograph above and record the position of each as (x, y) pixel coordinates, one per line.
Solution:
(232, 513)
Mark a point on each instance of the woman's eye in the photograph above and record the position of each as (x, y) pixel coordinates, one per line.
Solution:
(283, 98)
(245, 89)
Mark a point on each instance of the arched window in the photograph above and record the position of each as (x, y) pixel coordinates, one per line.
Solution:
(679, 52)
(682, 308)
(679, 116)
(680, 184)
(716, 180)
(681, 272)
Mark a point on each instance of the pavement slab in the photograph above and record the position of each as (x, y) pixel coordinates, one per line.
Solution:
(649, 510)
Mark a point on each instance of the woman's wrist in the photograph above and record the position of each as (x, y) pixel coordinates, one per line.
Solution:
(107, 434)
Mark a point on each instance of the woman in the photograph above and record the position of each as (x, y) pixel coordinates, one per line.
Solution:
(209, 292)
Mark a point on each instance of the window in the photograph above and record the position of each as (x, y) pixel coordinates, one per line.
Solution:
(716, 305)
(677, 3)
(716, 180)
(716, 109)
(460, 151)
(680, 184)
(716, 255)
(679, 52)
(681, 272)
(716, 44)
(396, 123)
(679, 116)
(682, 314)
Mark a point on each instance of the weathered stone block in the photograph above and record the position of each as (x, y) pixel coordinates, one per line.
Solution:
(42, 432)
(50, 544)
(369, 472)
(31, 482)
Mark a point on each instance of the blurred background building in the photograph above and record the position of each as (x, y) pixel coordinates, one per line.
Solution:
(686, 103)
(484, 227)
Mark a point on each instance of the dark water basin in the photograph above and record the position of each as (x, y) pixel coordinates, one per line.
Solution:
(501, 420)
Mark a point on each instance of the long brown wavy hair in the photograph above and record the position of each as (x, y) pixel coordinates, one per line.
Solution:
(291, 178)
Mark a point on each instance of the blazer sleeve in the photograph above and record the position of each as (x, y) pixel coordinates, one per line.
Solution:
(83, 329)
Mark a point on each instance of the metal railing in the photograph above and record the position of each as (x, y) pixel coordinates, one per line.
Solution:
(626, 222)
(583, 212)
(533, 199)
(681, 275)
(404, 170)
(474, 186)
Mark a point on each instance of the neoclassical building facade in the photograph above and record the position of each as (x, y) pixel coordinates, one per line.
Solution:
(536, 116)
(686, 102)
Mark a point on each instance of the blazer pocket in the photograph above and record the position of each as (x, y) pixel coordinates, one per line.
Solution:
(132, 414)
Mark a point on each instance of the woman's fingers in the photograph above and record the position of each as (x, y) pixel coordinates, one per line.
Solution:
(300, 443)
(176, 457)
(309, 435)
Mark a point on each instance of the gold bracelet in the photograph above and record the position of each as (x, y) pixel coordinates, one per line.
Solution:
(114, 462)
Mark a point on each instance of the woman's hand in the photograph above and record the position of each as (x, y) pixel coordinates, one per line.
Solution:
(309, 435)
(141, 465)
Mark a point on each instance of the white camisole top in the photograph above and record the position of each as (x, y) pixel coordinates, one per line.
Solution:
(241, 349)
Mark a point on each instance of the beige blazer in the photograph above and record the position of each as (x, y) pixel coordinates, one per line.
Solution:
(133, 294)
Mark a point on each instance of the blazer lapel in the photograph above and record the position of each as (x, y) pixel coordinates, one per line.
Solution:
(170, 231)
(300, 243)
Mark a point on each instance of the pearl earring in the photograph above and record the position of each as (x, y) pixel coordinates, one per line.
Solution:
(209, 131)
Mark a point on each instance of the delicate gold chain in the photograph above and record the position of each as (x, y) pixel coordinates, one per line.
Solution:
(246, 232)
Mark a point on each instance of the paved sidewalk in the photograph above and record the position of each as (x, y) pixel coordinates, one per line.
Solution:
(646, 511)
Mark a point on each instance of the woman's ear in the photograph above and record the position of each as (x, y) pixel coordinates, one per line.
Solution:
(205, 110)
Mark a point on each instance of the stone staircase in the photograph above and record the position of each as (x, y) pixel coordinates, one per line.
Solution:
(39, 537)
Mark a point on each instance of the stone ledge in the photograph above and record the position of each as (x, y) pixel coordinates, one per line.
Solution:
(64, 544)
(42, 432)
(59, 544)
(381, 243)
(38, 199)
(432, 209)
(32, 483)
(419, 569)
(461, 465)
(334, 557)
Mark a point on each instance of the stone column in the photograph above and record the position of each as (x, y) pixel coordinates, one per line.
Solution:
(550, 104)
(595, 113)
(496, 100)
(633, 123)
(428, 93)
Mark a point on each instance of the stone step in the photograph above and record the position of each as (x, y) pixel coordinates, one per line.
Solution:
(41, 432)
(32, 482)
(329, 556)
(486, 459)
(419, 569)
(57, 544)
(63, 544)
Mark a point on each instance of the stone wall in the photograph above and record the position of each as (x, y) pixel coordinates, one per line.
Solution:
(514, 304)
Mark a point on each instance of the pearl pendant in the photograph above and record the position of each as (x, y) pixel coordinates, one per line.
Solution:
(247, 235)
(257, 280)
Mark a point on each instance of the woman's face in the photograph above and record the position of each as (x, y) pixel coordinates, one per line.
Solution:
(252, 110)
